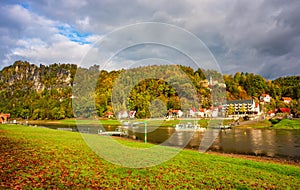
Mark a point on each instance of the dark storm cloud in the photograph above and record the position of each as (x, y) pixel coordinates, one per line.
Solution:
(251, 36)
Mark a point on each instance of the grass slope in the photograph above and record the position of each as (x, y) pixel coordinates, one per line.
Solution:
(44, 158)
(287, 124)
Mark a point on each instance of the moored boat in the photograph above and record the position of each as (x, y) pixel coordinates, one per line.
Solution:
(188, 127)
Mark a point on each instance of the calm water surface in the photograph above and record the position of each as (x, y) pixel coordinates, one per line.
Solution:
(265, 142)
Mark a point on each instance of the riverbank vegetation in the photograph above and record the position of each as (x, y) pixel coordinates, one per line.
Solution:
(287, 124)
(44, 158)
(273, 124)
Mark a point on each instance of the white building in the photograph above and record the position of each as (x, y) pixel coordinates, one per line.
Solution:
(287, 100)
(265, 98)
(250, 107)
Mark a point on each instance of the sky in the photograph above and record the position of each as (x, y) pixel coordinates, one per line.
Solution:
(261, 37)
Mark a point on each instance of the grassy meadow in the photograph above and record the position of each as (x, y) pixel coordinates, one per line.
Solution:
(33, 157)
(274, 124)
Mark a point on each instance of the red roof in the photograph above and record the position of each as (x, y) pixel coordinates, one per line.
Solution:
(109, 113)
(264, 95)
(6, 114)
(286, 98)
(285, 110)
(132, 112)
(193, 109)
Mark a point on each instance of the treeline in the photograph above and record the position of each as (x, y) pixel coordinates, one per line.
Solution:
(29, 91)
(57, 92)
(248, 85)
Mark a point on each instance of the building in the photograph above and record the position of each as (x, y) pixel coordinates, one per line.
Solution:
(124, 114)
(4, 117)
(265, 98)
(174, 114)
(284, 110)
(109, 114)
(241, 107)
(191, 112)
(132, 114)
(271, 113)
(287, 100)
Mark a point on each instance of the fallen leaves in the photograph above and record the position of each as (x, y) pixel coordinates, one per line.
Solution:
(49, 159)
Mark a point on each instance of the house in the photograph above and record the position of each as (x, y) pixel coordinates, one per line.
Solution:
(284, 110)
(191, 112)
(202, 112)
(265, 98)
(4, 117)
(214, 112)
(286, 100)
(241, 107)
(122, 114)
(132, 114)
(174, 113)
(109, 114)
(271, 113)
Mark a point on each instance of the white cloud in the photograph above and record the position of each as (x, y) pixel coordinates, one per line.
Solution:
(249, 36)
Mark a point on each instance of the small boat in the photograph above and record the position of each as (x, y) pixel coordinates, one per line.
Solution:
(222, 127)
(117, 132)
(188, 127)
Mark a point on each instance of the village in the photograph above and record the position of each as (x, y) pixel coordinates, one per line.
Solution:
(252, 109)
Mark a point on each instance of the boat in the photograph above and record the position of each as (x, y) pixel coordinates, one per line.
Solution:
(188, 127)
(117, 132)
(222, 127)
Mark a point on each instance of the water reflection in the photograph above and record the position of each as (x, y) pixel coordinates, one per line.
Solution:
(266, 142)
(273, 143)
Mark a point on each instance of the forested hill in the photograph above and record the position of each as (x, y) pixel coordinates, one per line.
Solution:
(29, 91)
(40, 92)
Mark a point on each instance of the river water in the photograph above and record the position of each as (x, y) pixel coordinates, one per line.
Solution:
(264, 142)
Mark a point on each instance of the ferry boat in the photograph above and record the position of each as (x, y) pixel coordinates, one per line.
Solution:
(188, 127)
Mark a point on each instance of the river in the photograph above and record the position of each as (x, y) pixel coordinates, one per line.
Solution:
(279, 143)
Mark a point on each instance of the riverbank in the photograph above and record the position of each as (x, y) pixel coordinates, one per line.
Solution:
(264, 124)
(114, 122)
(272, 124)
(44, 158)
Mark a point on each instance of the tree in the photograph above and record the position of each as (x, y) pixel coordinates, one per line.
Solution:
(243, 109)
(230, 110)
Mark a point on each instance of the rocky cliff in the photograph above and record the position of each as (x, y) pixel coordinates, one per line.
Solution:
(23, 75)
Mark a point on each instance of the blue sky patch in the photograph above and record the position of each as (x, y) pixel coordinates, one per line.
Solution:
(24, 5)
(73, 35)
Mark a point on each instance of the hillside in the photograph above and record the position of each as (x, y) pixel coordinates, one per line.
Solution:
(40, 92)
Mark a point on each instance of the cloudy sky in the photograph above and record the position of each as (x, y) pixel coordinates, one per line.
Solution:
(258, 36)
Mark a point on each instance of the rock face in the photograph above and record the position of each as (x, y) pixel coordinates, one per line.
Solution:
(23, 75)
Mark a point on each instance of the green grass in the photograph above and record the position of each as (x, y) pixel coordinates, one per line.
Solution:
(257, 124)
(50, 159)
(287, 124)
(274, 124)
